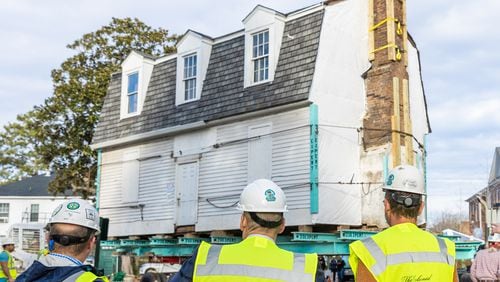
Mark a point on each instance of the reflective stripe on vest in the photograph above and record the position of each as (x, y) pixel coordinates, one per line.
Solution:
(383, 261)
(212, 267)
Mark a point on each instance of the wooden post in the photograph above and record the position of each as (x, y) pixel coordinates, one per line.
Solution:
(405, 34)
(371, 33)
(396, 124)
(391, 30)
(407, 124)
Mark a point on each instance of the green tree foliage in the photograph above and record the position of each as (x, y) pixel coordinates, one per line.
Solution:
(56, 135)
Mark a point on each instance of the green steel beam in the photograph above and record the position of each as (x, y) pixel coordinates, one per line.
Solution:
(300, 242)
(354, 235)
(191, 241)
(225, 240)
(314, 237)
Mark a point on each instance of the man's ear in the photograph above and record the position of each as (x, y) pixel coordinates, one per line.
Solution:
(243, 222)
(387, 206)
(282, 226)
(92, 241)
(421, 208)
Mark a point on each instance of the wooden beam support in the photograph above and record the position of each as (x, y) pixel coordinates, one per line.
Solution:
(407, 124)
(371, 32)
(405, 34)
(396, 125)
(391, 30)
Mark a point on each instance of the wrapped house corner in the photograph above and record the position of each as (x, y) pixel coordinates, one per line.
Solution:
(323, 101)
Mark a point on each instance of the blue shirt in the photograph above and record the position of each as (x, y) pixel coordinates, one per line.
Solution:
(4, 257)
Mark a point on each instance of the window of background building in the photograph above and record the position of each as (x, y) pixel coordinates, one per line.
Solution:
(34, 212)
(4, 212)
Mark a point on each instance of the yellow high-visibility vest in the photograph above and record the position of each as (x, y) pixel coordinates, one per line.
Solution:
(11, 266)
(254, 259)
(85, 276)
(404, 252)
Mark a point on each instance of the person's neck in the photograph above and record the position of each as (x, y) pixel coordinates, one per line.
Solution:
(81, 257)
(271, 235)
(395, 220)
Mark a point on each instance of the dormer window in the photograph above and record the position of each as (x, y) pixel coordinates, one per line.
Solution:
(193, 55)
(136, 74)
(263, 36)
(190, 66)
(132, 92)
(260, 56)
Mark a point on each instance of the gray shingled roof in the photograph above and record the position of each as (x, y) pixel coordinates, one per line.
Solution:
(29, 187)
(223, 94)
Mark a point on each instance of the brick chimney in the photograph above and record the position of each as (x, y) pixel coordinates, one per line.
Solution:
(387, 80)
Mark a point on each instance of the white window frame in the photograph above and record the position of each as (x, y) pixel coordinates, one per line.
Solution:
(260, 61)
(135, 93)
(3, 207)
(190, 76)
(32, 213)
(135, 62)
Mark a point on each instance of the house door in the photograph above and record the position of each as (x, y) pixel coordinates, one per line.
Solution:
(187, 193)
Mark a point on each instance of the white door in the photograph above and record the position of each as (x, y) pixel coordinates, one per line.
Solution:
(187, 193)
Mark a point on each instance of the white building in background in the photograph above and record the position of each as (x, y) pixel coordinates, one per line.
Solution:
(25, 208)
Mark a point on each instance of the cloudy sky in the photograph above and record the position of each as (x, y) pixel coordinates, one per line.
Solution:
(458, 42)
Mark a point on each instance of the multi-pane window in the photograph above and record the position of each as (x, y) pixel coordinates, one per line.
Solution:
(4, 212)
(190, 77)
(34, 212)
(133, 82)
(260, 56)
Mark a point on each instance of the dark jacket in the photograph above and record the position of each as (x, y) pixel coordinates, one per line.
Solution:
(42, 273)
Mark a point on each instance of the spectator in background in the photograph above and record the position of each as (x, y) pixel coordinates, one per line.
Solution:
(340, 268)
(333, 268)
(8, 271)
(486, 265)
(320, 272)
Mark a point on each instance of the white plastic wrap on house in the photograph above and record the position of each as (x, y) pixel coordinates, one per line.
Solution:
(338, 90)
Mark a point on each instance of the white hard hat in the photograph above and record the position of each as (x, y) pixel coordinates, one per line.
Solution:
(8, 241)
(78, 212)
(494, 238)
(262, 195)
(405, 178)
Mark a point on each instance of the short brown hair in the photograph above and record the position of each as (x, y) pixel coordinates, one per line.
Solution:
(77, 231)
(267, 216)
(401, 209)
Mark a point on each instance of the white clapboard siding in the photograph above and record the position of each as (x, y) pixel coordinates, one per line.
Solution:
(156, 180)
(224, 170)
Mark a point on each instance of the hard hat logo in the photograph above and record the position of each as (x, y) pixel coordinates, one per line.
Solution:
(73, 206)
(390, 179)
(270, 195)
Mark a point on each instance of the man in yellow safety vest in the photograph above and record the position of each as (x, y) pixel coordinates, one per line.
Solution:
(403, 252)
(73, 228)
(8, 271)
(257, 257)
